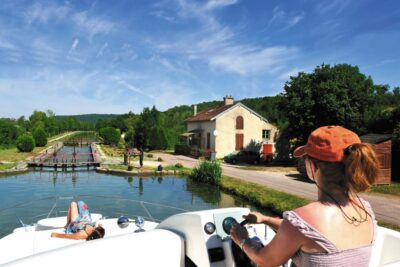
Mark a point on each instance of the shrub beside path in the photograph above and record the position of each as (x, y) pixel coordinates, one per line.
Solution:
(386, 207)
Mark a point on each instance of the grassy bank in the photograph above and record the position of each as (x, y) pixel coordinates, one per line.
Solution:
(13, 155)
(182, 170)
(392, 189)
(262, 196)
(7, 166)
(125, 168)
(268, 168)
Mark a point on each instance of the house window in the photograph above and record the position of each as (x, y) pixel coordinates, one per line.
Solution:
(266, 134)
(208, 140)
(239, 123)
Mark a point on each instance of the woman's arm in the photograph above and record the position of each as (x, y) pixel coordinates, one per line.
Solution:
(78, 235)
(256, 217)
(283, 246)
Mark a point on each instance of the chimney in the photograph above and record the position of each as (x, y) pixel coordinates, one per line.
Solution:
(194, 110)
(228, 100)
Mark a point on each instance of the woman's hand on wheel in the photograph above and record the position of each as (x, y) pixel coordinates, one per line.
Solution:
(238, 233)
(254, 217)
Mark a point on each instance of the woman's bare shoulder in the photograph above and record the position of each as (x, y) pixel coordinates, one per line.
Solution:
(313, 213)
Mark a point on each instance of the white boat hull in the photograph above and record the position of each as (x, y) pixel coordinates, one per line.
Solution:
(179, 240)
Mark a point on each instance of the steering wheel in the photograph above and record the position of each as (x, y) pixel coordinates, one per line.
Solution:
(240, 258)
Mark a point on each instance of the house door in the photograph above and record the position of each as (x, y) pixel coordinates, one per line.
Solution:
(239, 141)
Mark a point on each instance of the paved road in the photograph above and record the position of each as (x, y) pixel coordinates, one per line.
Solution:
(386, 207)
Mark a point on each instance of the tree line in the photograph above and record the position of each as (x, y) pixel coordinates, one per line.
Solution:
(34, 131)
(329, 95)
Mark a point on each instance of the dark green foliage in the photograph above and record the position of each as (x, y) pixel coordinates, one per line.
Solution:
(8, 132)
(338, 95)
(89, 118)
(207, 172)
(158, 138)
(110, 135)
(25, 143)
(40, 137)
(129, 138)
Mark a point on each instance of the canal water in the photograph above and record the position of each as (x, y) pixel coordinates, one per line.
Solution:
(35, 195)
(69, 154)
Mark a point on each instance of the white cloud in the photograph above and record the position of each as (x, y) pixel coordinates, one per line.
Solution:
(266, 60)
(4, 44)
(92, 25)
(132, 88)
(331, 6)
(281, 17)
(162, 15)
(43, 13)
(102, 49)
(212, 4)
(74, 45)
(294, 20)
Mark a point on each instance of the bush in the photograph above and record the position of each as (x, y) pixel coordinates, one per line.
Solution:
(178, 165)
(40, 137)
(150, 155)
(207, 172)
(159, 159)
(159, 168)
(110, 135)
(25, 143)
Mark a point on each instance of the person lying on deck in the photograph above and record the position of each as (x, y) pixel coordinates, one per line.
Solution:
(79, 224)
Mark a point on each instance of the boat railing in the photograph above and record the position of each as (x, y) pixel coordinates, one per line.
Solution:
(110, 207)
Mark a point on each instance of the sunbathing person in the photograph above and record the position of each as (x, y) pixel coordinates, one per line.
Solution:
(79, 224)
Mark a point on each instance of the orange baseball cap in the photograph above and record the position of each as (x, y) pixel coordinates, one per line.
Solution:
(328, 143)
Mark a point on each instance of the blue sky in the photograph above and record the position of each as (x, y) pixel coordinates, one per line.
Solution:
(76, 57)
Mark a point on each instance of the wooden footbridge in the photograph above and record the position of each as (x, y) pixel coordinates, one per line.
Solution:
(57, 157)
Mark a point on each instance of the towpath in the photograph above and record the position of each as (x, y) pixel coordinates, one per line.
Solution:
(386, 207)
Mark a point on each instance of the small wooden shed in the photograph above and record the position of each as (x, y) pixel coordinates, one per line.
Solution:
(382, 144)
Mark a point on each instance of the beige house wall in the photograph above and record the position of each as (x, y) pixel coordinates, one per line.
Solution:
(205, 127)
(252, 130)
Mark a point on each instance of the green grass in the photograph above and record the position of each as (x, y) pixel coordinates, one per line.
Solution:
(392, 189)
(13, 155)
(262, 196)
(184, 170)
(7, 166)
(125, 168)
(390, 226)
(112, 151)
(268, 168)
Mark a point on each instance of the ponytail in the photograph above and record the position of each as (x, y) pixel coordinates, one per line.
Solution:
(361, 167)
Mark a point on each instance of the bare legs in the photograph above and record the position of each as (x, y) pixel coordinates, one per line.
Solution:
(72, 213)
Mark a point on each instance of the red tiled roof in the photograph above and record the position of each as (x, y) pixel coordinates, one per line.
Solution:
(208, 114)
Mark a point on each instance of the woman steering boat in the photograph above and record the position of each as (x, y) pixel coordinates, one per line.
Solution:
(339, 228)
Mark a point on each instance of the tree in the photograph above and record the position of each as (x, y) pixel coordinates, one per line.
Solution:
(338, 95)
(110, 135)
(40, 137)
(25, 143)
(8, 132)
(37, 119)
(130, 137)
(158, 138)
